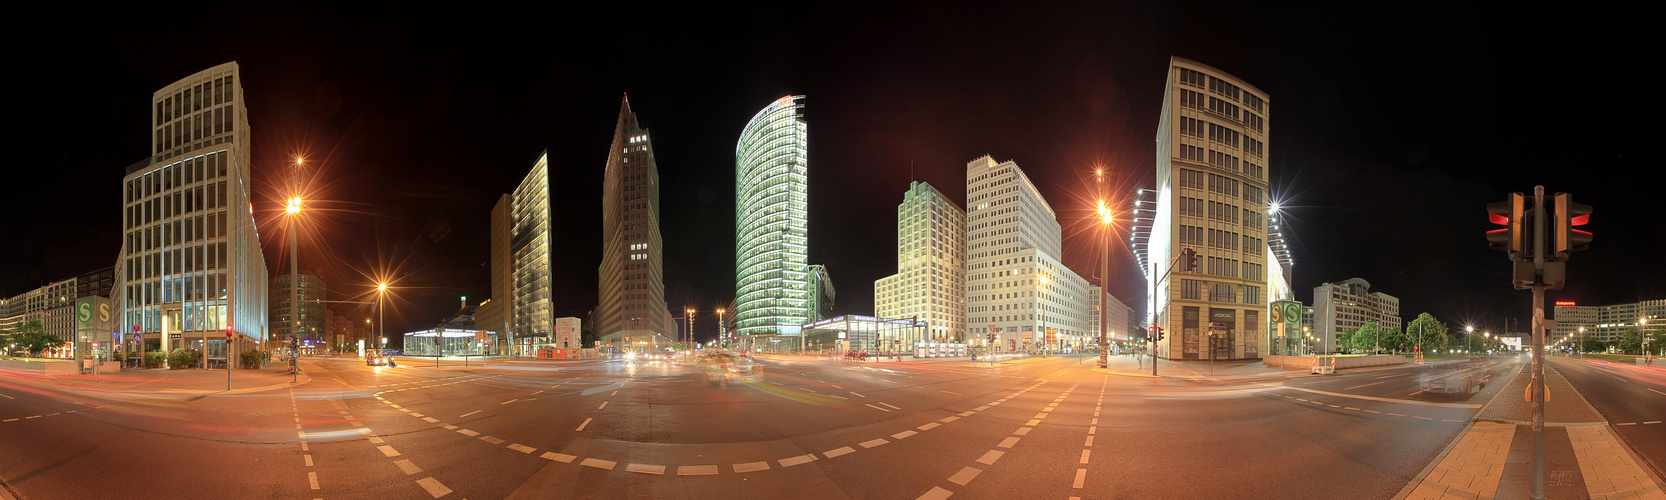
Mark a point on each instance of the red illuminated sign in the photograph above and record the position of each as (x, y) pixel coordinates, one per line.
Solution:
(1564, 302)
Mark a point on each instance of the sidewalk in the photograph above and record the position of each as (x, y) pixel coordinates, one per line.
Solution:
(1493, 457)
(187, 381)
(1127, 366)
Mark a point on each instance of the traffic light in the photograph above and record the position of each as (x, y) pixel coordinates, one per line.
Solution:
(1159, 335)
(1188, 260)
(1517, 233)
(1567, 216)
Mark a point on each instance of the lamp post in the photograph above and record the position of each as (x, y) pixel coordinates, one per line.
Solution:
(721, 334)
(688, 326)
(1643, 326)
(1105, 219)
(1043, 343)
(380, 288)
(1469, 338)
(293, 209)
(1581, 347)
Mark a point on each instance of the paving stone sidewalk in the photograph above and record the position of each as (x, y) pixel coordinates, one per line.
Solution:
(1493, 458)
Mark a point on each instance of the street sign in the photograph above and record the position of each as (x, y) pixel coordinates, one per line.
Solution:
(135, 328)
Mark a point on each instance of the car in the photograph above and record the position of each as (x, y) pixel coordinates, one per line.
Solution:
(372, 359)
(716, 368)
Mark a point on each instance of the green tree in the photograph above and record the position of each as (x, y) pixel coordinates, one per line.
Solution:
(1426, 333)
(32, 338)
(1657, 340)
(1393, 338)
(1591, 344)
(1632, 341)
(1366, 338)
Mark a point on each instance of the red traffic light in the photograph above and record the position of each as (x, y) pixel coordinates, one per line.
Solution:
(1516, 221)
(1568, 216)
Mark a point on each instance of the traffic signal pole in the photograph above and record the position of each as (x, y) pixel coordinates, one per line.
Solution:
(1538, 384)
(1167, 268)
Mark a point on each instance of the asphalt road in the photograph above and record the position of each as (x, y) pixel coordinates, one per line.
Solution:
(1041, 428)
(1632, 398)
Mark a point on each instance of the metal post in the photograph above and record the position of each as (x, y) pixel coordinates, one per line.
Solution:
(1538, 343)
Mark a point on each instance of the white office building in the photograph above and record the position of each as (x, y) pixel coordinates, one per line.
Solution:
(930, 284)
(1016, 288)
(1347, 305)
(191, 265)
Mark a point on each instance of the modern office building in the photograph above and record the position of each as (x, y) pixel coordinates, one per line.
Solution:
(310, 322)
(1211, 196)
(930, 283)
(1606, 323)
(1347, 305)
(772, 287)
(493, 313)
(531, 316)
(1016, 288)
(191, 265)
(822, 293)
(631, 292)
(1120, 320)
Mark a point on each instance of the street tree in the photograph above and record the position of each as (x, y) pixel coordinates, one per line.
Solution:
(1657, 340)
(1427, 333)
(1632, 341)
(1365, 339)
(1394, 340)
(1591, 344)
(32, 338)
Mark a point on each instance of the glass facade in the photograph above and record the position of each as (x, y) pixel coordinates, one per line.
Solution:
(771, 241)
(631, 295)
(529, 247)
(191, 264)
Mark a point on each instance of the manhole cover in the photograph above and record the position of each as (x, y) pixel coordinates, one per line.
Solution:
(1560, 477)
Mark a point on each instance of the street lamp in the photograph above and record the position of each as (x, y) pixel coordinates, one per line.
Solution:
(380, 288)
(720, 329)
(1580, 349)
(1044, 343)
(688, 326)
(1105, 219)
(1469, 338)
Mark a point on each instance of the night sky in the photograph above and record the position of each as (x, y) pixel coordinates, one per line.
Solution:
(1390, 130)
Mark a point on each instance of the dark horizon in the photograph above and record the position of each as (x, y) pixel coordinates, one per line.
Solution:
(1389, 132)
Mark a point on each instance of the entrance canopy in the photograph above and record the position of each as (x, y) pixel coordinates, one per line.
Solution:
(868, 333)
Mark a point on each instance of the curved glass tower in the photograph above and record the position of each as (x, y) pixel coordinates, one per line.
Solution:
(771, 290)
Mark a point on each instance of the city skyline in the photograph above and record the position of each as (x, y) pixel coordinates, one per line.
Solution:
(1342, 123)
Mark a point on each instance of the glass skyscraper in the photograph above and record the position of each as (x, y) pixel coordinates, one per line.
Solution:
(632, 275)
(531, 318)
(771, 240)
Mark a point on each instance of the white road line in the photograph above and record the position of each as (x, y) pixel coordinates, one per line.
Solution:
(697, 470)
(581, 426)
(861, 396)
(894, 407)
(1628, 423)
(1085, 454)
(928, 426)
(751, 467)
(7, 397)
(598, 463)
(838, 451)
(1385, 400)
(990, 457)
(312, 477)
(954, 393)
(388, 450)
(467, 432)
(490, 439)
(521, 448)
(877, 408)
(791, 461)
(835, 386)
(1654, 422)
(509, 401)
(1387, 376)
(645, 469)
(936, 493)
(604, 405)
(309, 459)
(470, 413)
(1656, 392)
(434, 487)
(408, 467)
(964, 476)
(430, 420)
(1359, 386)
(1081, 476)
(903, 434)
(872, 443)
(1008, 442)
(559, 457)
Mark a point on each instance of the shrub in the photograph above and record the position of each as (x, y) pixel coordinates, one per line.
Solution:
(154, 359)
(181, 358)
(252, 358)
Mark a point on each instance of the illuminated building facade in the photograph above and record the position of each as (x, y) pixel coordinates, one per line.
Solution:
(1607, 323)
(930, 284)
(191, 264)
(1016, 287)
(531, 316)
(632, 273)
(1347, 305)
(771, 238)
(1211, 196)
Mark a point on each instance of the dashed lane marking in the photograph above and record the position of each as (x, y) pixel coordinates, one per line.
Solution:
(467, 432)
(470, 413)
(645, 469)
(697, 470)
(388, 450)
(903, 434)
(964, 476)
(598, 463)
(312, 477)
(434, 487)
(408, 467)
(490, 439)
(522, 448)
(838, 451)
(990, 457)
(872, 443)
(559, 457)
(936, 493)
(1081, 476)
(751, 467)
(581, 426)
(868, 405)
